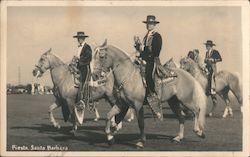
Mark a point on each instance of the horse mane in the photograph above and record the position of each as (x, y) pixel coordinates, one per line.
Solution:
(57, 61)
(171, 64)
(196, 72)
(195, 68)
(120, 53)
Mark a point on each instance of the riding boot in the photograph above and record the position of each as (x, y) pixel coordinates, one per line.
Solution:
(154, 104)
(79, 102)
(213, 91)
(209, 85)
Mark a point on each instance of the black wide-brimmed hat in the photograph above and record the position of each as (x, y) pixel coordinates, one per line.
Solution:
(80, 35)
(151, 19)
(209, 42)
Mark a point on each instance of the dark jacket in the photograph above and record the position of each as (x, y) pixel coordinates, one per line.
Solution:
(85, 56)
(216, 57)
(152, 48)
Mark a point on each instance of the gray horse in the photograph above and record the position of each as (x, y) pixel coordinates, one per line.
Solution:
(225, 82)
(128, 78)
(65, 90)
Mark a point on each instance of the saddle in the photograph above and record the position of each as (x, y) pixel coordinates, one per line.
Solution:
(75, 71)
(162, 72)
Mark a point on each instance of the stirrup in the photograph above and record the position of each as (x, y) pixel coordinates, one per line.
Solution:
(152, 99)
(80, 105)
(213, 92)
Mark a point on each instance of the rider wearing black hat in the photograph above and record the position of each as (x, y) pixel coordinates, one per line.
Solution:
(85, 56)
(212, 57)
(149, 51)
(152, 48)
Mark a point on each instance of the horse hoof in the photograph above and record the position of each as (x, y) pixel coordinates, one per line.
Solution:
(139, 145)
(129, 120)
(96, 119)
(202, 136)
(199, 134)
(73, 133)
(223, 117)
(111, 142)
(210, 115)
(176, 139)
(58, 127)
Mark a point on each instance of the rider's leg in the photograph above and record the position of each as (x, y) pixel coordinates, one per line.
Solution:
(149, 77)
(213, 84)
(83, 76)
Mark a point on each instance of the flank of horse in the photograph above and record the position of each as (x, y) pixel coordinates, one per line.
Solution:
(225, 81)
(184, 89)
(65, 91)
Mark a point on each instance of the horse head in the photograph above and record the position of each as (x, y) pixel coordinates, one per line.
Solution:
(170, 64)
(186, 64)
(43, 64)
(101, 61)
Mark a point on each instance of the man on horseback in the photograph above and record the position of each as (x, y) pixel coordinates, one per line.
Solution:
(149, 51)
(212, 57)
(194, 55)
(85, 55)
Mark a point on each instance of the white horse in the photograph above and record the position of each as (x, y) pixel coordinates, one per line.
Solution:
(225, 82)
(65, 91)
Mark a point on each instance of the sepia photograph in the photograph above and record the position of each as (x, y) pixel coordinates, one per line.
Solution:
(129, 78)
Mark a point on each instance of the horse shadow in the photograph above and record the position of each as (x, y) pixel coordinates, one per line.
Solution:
(85, 119)
(165, 115)
(45, 128)
(98, 139)
(92, 135)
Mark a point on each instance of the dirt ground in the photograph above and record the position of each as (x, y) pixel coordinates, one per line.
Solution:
(28, 124)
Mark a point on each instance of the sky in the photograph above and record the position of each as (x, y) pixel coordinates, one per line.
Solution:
(33, 30)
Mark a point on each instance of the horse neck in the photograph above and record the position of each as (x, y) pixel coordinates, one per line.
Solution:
(55, 61)
(122, 65)
(58, 70)
(197, 73)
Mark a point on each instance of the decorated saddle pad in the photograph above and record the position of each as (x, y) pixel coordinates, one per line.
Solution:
(74, 70)
(162, 72)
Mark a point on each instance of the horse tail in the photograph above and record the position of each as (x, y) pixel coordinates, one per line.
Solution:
(201, 104)
(235, 85)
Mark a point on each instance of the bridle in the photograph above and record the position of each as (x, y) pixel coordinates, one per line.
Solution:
(40, 66)
(112, 69)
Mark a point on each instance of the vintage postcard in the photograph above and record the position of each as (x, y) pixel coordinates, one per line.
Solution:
(125, 78)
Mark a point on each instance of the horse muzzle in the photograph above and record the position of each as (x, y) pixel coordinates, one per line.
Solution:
(37, 73)
(182, 67)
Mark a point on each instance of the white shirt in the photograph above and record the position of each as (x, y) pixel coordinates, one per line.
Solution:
(150, 33)
(80, 50)
(210, 52)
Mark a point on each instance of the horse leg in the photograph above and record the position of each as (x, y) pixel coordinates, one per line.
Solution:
(114, 111)
(52, 119)
(119, 117)
(131, 113)
(140, 117)
(228, 109)
(74, 127)
(199, 122)
(214, 100)
(174, 105)
(196, 127)
(97, 115)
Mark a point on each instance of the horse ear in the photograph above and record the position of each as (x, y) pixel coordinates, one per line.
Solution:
(171, 59)
(48, 51)
(104, 44)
